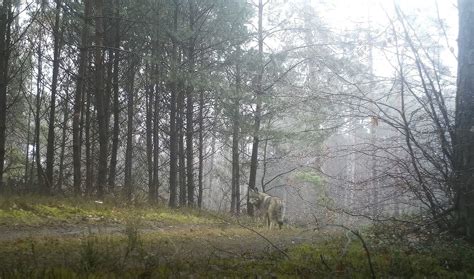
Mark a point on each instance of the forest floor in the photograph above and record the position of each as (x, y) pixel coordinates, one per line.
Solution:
(63, 238)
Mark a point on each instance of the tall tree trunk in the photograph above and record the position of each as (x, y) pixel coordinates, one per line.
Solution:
(213, 155)
(116, 126)
(128, 187)
(39, 93)
(181, 149)
(26, 179)
(78, 100)
(258, 109)
(464, 124)
(52, 107)
(5, 29)
(149, 104)
(235, 201)
(88, 144)
(156, 134)
(115, 99)
(173, 127)
(63, 141)
(201, 148)
(190, 110)
(100, 98)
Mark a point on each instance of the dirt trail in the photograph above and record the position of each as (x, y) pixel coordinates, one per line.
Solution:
(12, 233)
(222, 240)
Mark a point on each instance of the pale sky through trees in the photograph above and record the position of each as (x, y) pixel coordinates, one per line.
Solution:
(343, 15)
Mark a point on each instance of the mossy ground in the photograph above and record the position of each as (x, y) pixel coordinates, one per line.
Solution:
(37, 211)
(156, 242)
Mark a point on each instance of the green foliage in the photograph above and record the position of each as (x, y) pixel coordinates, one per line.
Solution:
(311, 177)
(338, 259)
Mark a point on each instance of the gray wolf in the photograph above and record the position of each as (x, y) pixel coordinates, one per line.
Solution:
(270, 207)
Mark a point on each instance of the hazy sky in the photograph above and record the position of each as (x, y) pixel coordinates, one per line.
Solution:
(350, 14)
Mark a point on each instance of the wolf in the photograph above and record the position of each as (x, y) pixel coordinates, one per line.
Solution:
(271, 207)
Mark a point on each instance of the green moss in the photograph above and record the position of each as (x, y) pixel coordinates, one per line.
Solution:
(177, 217)
(18, 216)
(32, 210)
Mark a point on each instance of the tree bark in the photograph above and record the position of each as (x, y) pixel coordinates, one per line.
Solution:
(258, 109)
(78, 100)
(52, 112)
(5, 24)
(149, 104)
(128, 187)
(39, 92)
(156, 135)
(201, 148)
(181, 149)
(190, 110)
(100, 98)
(464, 123)
(116, 102)
(63, 142)
(235, 201)
(173, 128)
(88, 145)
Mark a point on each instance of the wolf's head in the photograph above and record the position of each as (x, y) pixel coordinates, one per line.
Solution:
(254, 197)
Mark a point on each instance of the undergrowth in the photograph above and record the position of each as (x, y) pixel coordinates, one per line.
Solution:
(132, 256)
(39, 210)
(206, 251)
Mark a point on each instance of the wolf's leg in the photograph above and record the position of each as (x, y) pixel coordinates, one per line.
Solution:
(267, 217)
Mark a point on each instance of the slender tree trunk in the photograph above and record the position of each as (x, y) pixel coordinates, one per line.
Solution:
(464, 124)
(78, 100)
(63, 142)
(100, 98)
(173, 127)
(52, 112)
(39, 93)
(116, 102)
(149, 104)
(181, 150)
(235, 201)
(27, 150)
(88, 144)
(5, 29)
(156, 136)
(190, 110)
(213, 156)
(201, 148)
(258, 109)
(128, 187)
(264, 165)
(116, 126)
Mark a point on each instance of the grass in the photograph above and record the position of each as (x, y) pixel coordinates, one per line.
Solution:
(37, 211)
(212, 249)
(132, 256)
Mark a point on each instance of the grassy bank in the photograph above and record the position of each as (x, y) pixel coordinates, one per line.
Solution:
(191, 242)
(38, 211)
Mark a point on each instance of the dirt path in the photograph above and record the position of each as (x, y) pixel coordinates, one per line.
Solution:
(222, 240)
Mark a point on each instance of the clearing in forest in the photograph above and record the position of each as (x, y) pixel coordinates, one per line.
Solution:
(52, 238)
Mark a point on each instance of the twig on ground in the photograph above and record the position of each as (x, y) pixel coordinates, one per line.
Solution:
(364, 244)
(324, 262)
(259, 234)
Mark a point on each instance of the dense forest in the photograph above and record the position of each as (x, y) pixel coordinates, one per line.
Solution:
(349, 118)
